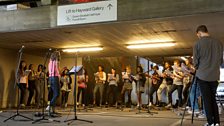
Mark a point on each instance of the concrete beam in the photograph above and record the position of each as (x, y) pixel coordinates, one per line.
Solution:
(147, 9)
(28, 19)
(46, 16)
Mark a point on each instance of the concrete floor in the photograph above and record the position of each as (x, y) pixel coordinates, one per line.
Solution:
(104, 117)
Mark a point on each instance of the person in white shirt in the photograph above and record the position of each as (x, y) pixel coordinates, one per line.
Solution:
(127, 87)
(166, 83)
(100, 78)
(177, 84)
(22, 80)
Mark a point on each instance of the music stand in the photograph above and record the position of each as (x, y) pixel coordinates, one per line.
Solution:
(75, 71)
(17, 71)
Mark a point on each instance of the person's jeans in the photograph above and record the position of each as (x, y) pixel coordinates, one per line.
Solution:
(194, 105)
(54, 81)
(99, 87)
(208, 92)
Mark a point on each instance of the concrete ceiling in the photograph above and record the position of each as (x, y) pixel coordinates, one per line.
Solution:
(114, 37)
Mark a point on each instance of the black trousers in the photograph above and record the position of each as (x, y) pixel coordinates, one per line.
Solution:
(123, 95)
(64, 97)
(186, 92)
(111, 94)
(31, 88)
(83, 90)
(22, 87)
(152, 90)
(208, 92)
(179, 89)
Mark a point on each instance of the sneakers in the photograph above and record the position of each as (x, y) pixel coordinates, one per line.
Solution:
(150, 104)
(206, 124)
(48, 108)
(168, 106)
(22, 106)
(195, 112)
(201, 116)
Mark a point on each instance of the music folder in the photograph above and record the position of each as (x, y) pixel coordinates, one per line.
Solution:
(75, 69)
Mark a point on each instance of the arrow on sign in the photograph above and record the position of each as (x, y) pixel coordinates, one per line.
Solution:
(110, 6)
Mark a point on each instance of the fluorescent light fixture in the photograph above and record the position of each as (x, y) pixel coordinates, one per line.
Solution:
(87, 49)
(151, 45)
(150, 40)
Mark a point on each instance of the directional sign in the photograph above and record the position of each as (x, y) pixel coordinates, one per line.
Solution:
(93, 12)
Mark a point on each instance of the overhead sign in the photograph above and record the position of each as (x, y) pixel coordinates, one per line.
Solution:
(93, 12)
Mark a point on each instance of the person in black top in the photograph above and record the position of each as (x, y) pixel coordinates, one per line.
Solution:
(140, 83)
(156, 81)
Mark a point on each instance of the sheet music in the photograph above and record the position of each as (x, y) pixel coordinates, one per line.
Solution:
(185, 69)
(168, 72)
(125, 75)
(27, 72)
(75, 69)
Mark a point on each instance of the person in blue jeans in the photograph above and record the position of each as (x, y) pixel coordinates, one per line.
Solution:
(54, 75)
(194, 105)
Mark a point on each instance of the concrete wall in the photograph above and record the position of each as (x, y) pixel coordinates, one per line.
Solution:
(7, 77)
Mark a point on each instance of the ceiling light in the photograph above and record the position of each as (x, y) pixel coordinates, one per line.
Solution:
(150, 40)
(151, 45)
(88, 49)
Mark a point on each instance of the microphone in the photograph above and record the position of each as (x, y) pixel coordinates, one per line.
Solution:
(49, 51)
(21, 49)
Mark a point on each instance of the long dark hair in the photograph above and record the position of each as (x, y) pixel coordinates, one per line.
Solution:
(141, 69)
(40, 66)
(86, 73)
(63, 73)
(115, 71)
(30, 66)
(20, 66)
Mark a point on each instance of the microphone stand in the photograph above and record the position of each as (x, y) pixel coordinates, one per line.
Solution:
(43, 118)
(16, 75)
(75, 95)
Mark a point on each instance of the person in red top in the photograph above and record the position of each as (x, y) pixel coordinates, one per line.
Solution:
(82, 85)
